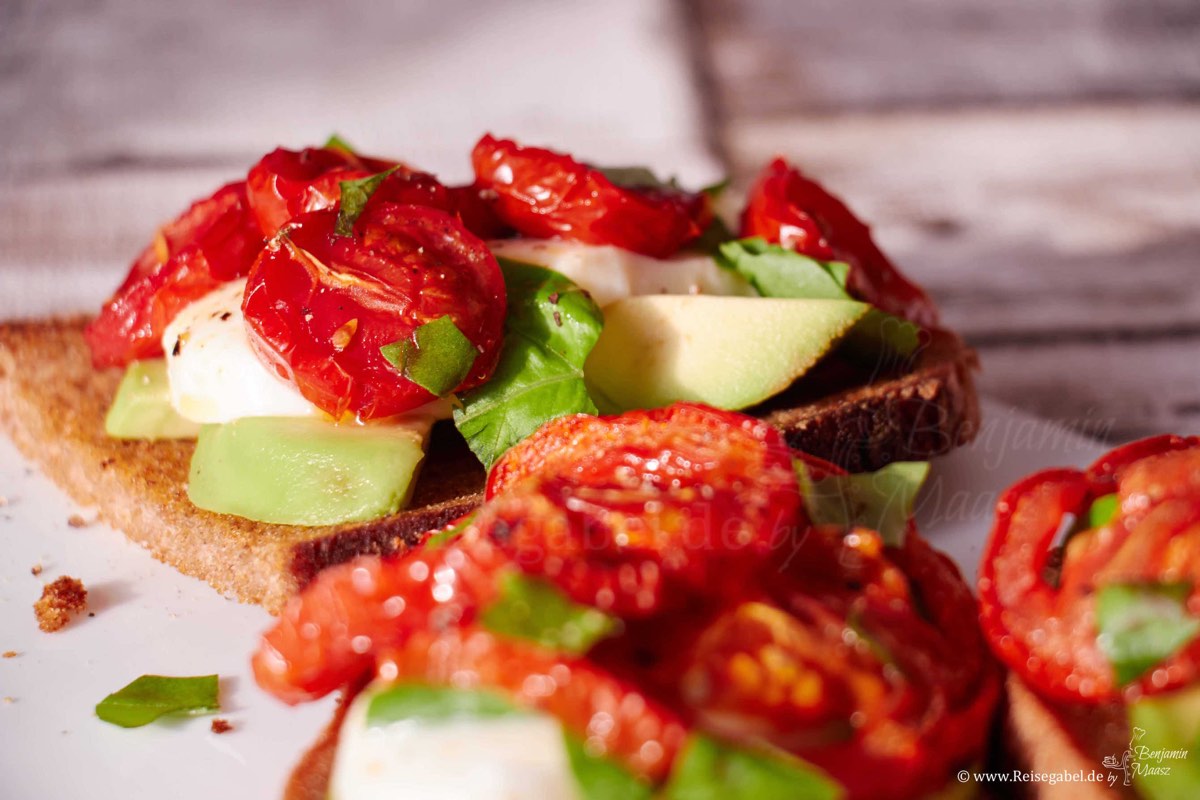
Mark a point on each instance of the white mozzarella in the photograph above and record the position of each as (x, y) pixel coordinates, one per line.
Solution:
(214, 374)
(612, 273)
(519, 757)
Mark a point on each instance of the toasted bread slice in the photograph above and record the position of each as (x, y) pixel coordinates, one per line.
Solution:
(1050, 738)
(53, 404)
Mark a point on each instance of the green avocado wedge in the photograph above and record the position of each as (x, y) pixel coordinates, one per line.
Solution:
(728, 352)
(1166, 744)
(142, 406)
(304, 471)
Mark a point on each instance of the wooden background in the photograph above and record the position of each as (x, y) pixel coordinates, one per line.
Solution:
(1036, 165)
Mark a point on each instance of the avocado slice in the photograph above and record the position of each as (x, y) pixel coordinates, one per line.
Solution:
(728, 352)
(142, 407)
(305, 471)
(1169, 724)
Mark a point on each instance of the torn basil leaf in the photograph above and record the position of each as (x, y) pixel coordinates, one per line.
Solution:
(427, 703)
(551, 327)
(151, 696)
(636, 178)
(437, 358)
(777, 272)
(880, 501)
(537, 610)
(710, 770)
(1143, 624)
(335, 142)
(600, 778)
(355, 195)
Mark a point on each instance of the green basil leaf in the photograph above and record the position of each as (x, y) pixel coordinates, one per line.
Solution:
(716, 234)
(535, 609)
(636, 178)
(778, 272)
(1142, 624)
(151, 696)
(1102, 510)
(428, 703)
(437, 358)
(551, 327)
(335, 142)
(600, 778)
(881, 501)
(445, 537)
(355, 195)
(709, 770)
(715, 190)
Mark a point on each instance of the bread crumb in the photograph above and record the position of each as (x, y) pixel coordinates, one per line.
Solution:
(10, 654)
(8, 701)
(77, 521)
(3, 501)
(221, 726)
(36, 569)
(60, 599)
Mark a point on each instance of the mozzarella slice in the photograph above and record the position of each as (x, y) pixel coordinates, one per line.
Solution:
(612, 273)
(214, 374)
(519, 757)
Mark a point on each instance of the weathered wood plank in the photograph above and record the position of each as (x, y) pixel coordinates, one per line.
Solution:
(779, 56)
(1058, 219)
(1116, 390)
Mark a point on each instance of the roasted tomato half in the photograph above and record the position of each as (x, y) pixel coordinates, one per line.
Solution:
(288, 183)
(790, 209)
(319, 306)
(629, 513)
(1042, 598)
(214, 241)
(545, 194)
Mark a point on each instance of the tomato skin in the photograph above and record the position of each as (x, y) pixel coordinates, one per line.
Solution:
(785, 207)
(287, 183)
(329, 634)
(649, 508)
(213, 241)
(319, 306)
(1046, 630)
(615, 718)
(546, 194)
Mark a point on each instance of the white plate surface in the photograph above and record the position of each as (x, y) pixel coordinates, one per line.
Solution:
(150, 619)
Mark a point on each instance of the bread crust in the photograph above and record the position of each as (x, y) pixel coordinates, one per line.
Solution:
(1041, 736)
(53, 404)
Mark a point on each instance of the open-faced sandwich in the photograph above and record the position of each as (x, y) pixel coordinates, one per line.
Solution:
(667, 603)
(320, 360)
(1090, 594)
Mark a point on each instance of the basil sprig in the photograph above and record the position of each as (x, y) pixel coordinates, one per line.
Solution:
(151, 696)
(881, 501)
(777, 272)
(437, 357)
(1143, 624)
(551, 327)
(537, 610)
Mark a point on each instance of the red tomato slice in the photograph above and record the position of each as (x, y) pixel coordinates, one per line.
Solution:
(792, 210)
(329, 635)
(617, 510)
(613, 717)
(1041, 621)
(214, 241)
(543, 194)
(319, 306)
(288, 183)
